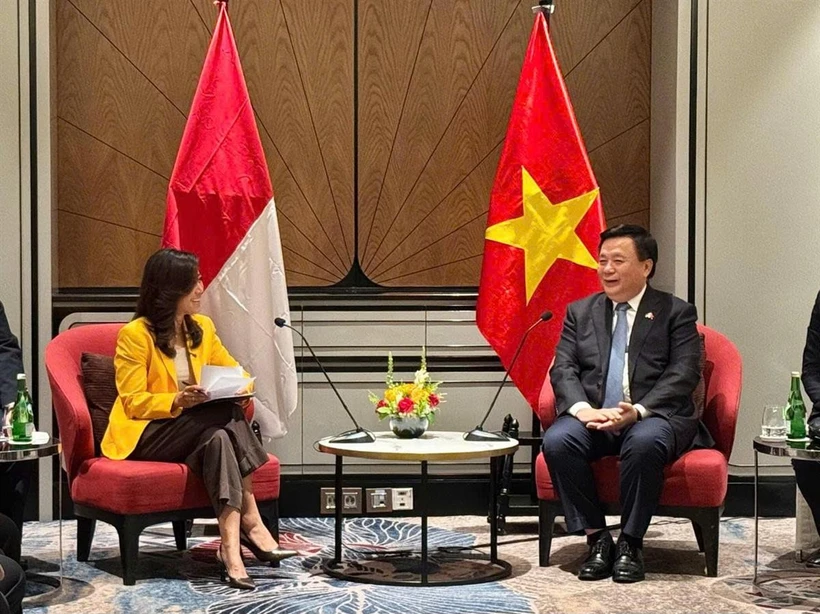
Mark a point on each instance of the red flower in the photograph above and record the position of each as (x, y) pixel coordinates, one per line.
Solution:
(433, 398)
(406, 405)
(381, 403)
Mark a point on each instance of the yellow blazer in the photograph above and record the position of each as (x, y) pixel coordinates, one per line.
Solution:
(147, 382)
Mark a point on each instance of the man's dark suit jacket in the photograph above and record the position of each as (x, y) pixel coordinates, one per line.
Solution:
(664, 357)
(11, 361)
(811, 363)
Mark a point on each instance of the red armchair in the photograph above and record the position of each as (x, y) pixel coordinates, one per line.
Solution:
(130, 495)
(694, 485)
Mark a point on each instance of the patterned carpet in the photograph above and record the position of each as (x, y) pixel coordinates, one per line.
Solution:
(174, 582)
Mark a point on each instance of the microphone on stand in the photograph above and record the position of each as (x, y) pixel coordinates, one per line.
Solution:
(357, 435)
(478, 433)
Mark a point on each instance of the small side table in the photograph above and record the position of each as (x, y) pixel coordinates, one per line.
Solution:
(13, 453)
(799, 450)
(433, 446)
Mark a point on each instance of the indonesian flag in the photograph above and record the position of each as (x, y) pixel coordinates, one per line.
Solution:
(543, 226)
(220, 207)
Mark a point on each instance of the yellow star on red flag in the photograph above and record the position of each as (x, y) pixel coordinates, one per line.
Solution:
(546, 231)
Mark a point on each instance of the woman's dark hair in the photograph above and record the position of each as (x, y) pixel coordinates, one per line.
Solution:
(169, 274)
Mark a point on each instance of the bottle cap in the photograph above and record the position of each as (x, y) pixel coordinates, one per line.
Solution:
(794, 374)
(21, 376)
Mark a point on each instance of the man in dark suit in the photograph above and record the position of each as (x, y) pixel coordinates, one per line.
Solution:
(625, 369)
(807, 473)
(14, 477)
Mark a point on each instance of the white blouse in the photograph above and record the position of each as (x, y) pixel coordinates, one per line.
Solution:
(181, 366)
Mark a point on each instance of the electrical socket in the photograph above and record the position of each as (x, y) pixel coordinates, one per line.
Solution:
(378, 500)
(351, 500)
(402, 499)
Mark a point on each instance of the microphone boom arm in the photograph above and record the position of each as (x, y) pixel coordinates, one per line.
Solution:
(357, 435)
(478, 433)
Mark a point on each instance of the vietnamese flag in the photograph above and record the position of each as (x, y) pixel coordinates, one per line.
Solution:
(220, 206)
(543, 226)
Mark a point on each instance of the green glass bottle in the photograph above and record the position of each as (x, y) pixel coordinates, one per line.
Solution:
(796, 410)
(22, 415)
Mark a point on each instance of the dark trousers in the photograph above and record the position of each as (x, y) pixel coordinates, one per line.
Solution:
(807, 476)
(215, 441)
(644, 447)
(10, 538)
(13, 584)
(15, 479)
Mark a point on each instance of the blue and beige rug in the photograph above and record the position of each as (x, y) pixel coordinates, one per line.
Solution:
(187, 582)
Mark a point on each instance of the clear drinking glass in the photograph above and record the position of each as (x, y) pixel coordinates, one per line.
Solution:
(5, 425)
(774, 424)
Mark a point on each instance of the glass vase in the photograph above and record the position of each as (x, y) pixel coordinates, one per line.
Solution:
(408, 427)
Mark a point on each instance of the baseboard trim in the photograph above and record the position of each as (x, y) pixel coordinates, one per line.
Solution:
(469, 495)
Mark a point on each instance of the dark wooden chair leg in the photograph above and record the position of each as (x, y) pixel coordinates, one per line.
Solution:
(129, 533)
(709, 521)
(85, 535)
(547, 511)
(181, 534)
(698, 536)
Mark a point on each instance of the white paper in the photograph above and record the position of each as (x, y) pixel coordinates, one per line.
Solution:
(224, 382)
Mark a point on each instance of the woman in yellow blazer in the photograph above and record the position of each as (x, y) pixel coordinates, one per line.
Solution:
(158, 360)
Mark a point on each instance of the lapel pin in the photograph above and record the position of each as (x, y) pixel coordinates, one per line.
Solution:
(650, 316)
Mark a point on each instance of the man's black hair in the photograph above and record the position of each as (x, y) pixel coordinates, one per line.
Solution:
(645, 243)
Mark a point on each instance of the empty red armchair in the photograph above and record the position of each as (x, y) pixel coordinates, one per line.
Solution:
(694, 485)
(130, 495)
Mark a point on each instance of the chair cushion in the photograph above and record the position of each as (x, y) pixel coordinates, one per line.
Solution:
(144, 487)
(100, 388)
(699, 478)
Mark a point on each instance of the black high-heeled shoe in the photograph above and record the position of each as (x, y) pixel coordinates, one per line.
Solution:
(266, 556)
(245, 583)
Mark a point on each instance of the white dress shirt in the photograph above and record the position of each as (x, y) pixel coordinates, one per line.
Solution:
(631, 312)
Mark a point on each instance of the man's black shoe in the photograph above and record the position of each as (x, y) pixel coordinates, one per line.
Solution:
(598, 564)
(628, 565)
(813, 559)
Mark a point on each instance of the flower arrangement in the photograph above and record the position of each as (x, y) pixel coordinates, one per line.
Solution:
(419, 399)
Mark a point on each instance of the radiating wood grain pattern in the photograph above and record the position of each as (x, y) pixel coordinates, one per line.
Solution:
(119, 120)
(437, 143)
(622, 170)
(430, 240)
(433, 90)
(125, 76)
(579, 26)
(436, 233)
(98, 183)
(89, 248)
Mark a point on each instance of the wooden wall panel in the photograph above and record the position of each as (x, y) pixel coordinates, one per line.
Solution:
(279, 84)
(390, 34)
(465, 157)
(456, 41)
(97, 182)
(578, 26)
(165, 41)
(92, 248)
(610, 87)
(622, 170)
(434, 87)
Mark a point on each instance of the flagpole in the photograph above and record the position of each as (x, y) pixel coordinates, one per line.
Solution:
(545, 6)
